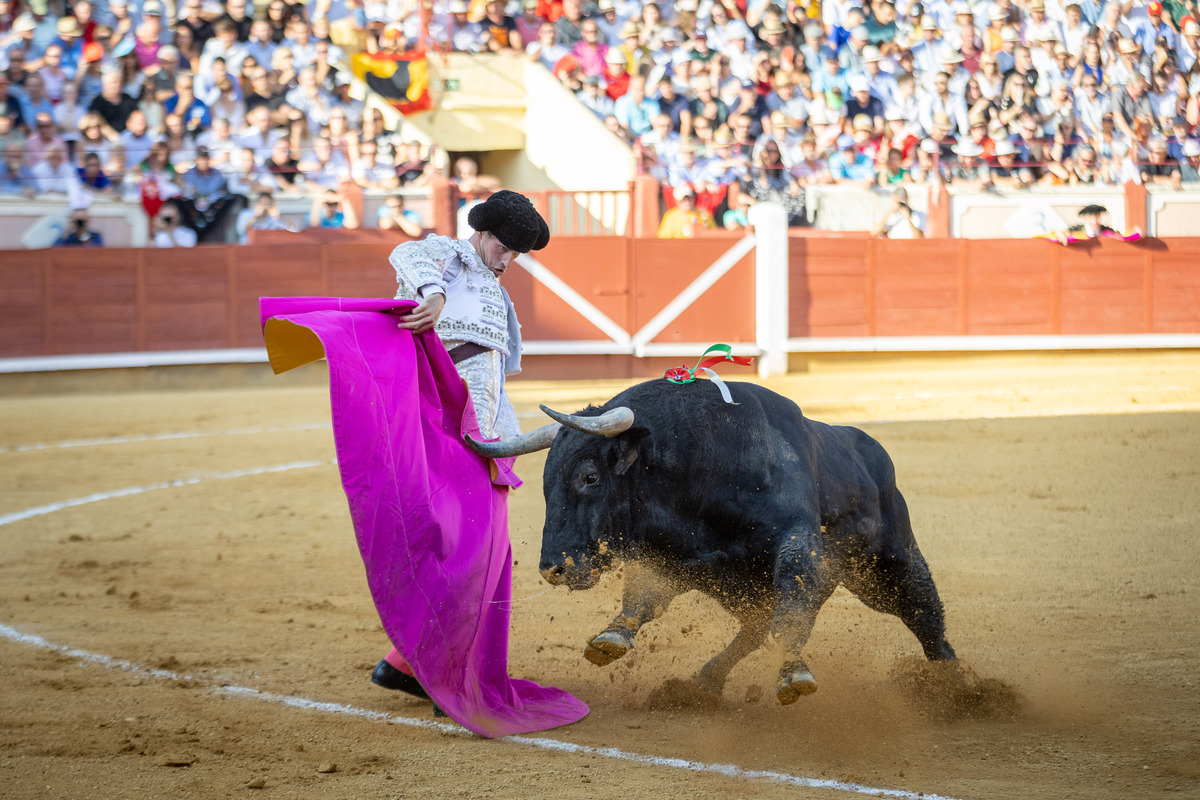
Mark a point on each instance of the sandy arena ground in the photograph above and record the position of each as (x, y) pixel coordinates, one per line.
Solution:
(1057, 500)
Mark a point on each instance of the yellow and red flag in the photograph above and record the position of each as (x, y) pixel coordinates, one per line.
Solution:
(400, 78)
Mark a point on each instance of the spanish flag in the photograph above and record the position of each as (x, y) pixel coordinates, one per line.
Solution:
(400, 78)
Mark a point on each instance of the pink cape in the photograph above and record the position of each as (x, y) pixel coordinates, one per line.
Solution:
(431, 516)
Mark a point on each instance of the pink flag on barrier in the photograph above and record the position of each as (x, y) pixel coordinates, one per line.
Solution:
(430, 516)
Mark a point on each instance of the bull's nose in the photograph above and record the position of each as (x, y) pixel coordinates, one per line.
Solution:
(554, 574)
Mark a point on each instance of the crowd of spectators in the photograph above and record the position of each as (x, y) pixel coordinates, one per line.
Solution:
(202, 109)
(202, 112)
(727, 97)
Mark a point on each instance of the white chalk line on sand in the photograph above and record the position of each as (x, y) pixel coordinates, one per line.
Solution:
(222, 688)
(50, 508)
(158, 437)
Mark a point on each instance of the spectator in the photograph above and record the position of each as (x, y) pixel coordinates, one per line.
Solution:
(502, 35)
(466, 36)
(1188, 170)
(263, 216)
(169, 230)
(245, 176)
(769, 181)
(545, 50)
(684, 219)
(79, 232)
(810, 168)
(394, 216)
(594, 98)
(634, 110)
(43, 138)
(568, 29)
(330, 209)
(54, 174)
(850, 164)
(1005, 172)
(284, 168)
(738, 217)
(900, 221)
(92, 176)
(970, 171)
(468, 179)
(368, 173)
(1159, 169)
(15, 176)
(259, 135)
(412, 169)
(113, 105)
(616, 75)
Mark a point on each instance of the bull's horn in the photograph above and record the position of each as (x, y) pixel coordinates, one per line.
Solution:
(610, 423)
(530, 442)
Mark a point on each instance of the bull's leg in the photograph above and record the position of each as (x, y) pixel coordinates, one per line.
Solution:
(802, 585)
(754, 626)
(643, 593)
(902, 585)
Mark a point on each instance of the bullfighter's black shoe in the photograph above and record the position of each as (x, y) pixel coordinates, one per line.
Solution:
(389, 677)
(437, 711)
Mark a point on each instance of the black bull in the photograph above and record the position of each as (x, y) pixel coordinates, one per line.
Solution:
(753, 504)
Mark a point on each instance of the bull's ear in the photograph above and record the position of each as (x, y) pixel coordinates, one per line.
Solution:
(627, 448)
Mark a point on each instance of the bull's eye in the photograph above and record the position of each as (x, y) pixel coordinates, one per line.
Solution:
(591, 479)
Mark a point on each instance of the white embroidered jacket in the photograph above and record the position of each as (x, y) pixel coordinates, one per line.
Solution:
(477, 307)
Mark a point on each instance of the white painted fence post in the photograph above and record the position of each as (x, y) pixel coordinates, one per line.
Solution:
(770, 287)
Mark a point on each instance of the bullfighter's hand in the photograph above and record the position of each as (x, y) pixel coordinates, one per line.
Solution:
(425, 315)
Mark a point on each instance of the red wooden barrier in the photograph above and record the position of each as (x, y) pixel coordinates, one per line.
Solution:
(67, 301)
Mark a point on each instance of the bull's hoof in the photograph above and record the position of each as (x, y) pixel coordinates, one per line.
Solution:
(794, 684)
(606, 648)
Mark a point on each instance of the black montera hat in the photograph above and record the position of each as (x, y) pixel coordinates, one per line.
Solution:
(512, 219)
(1092, 209)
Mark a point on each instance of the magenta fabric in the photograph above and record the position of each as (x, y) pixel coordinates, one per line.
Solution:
(431, 522)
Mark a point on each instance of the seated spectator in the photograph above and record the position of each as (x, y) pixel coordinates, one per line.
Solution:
(684, 219)
(368, 173)
(394, 216)
(158, 170)
(135, 138)
(330, 209)
(1159, 169)
(181, 144)
(468, 180)
(261, 92)
(353, 110)
(246, 177)
(737, 218)
(594, 98)
(42, 139)
(259, 135)
(500, 30)
(849, 164)
(1082, 166)
(634, 109)
(892, 171)
(928, 167)
(207, 191)
(262, 216)
(225, 45)
(54, 174)
(284, 168)
(616, 76)
(769, 181)
(1005, 171)
(79, 232)
(970, 171)
(92, 176)
(545, 50)
(310, 100)
(15, 176)
(412, 169)
(810, 168)
(1188, 169)
(168, 228)
(220, 143)
(900, 221)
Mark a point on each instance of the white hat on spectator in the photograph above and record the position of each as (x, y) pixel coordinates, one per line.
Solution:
(772, 25)
(962, 7)
(168, 51)
(1005, 148)
(968, 149)
(950, 55)
(1127, 46)
(929, 146)
(928, 23)
(684, 191)
(112, 3)
(669, 35)
(1191, 28)
(614, 56)
(1191, 148)
(998, 13)
(459, 7)
(871, 53)
(605, 5)
(893, 114)
(24, 23)
(152, 8)
(813, 30)
(860, 32)
(859, 83)
(820, 115)
(1060, 49)
(1009, 34)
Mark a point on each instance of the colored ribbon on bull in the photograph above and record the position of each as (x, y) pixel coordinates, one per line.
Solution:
(712, 356)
